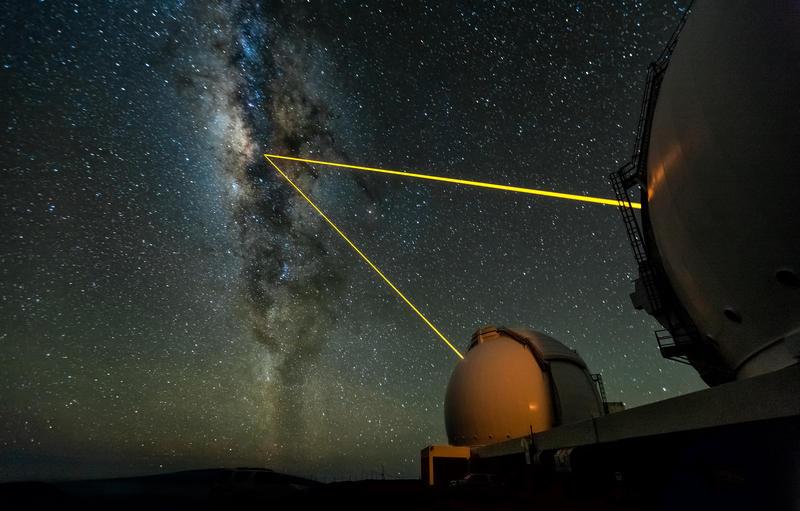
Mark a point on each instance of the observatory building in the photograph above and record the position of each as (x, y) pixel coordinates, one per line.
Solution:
(512, 383)
(715, 164)
(515, 382)
(717, 248)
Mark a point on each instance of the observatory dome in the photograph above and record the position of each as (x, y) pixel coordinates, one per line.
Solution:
(723, 185)
(512, 382)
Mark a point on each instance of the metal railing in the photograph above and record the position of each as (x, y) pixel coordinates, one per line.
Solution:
(677, 340)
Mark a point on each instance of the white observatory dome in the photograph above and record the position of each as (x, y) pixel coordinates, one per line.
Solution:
(512, 382)
(723, 181)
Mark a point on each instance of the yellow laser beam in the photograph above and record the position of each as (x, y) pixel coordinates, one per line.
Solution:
(530, 191)
(364, 257)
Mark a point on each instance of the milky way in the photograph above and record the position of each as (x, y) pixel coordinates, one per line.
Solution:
(251, 78)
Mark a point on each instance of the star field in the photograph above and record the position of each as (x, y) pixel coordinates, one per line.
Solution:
(166, 302)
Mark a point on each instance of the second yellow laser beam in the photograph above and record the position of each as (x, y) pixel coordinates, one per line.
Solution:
(518, 189)
(364, 257)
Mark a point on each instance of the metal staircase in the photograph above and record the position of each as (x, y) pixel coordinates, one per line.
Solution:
(620, 181)
(680, 337)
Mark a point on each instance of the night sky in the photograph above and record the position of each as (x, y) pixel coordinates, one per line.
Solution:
(167, 302)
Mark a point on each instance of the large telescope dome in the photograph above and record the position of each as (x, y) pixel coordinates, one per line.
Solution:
(723, 180)
(513, 382)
